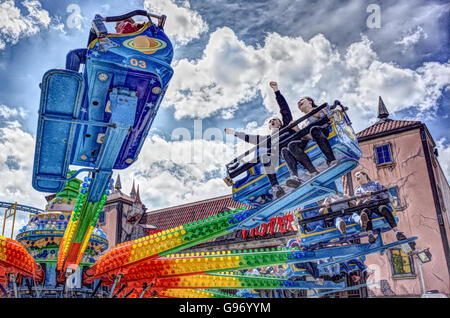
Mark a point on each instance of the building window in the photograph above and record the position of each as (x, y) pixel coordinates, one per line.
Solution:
(383, 155)
(101, 217)
(402, 264)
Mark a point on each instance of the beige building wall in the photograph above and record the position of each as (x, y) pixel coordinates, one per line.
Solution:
(417, 216)
(111, 208)
(110, 225)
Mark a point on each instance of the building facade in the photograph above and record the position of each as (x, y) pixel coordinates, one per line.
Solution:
(402, 156)
(122, 216)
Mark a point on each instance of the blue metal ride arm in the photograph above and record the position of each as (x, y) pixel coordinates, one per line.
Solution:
(77, 122)
(315, 189)
(366, 249)
(291, 284)
(123, 112)
(293, 273)
(342, 253)
(54, 178)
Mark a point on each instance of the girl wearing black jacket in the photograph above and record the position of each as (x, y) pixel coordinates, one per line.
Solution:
(270, 159)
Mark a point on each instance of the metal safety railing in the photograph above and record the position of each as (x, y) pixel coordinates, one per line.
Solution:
(100, 31)
(238, 166)
(11, 211)
(343, 212)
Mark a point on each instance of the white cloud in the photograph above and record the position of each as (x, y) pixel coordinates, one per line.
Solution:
(36, 13)
(444, 156)
(176, 172)
(183, 24)
(16, 184)
(17, 147)
(9, 113)
(14, 25)
(412, 38)
(221, 79)
(342, 22)
(230, 72)
(360, 54)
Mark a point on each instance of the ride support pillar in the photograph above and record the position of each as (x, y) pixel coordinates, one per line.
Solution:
(12, 279)
(145, 288)
(116, 281)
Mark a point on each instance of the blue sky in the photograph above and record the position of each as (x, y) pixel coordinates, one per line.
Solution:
(226, 52)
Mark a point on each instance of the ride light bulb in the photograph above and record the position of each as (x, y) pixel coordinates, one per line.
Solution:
(103, 77)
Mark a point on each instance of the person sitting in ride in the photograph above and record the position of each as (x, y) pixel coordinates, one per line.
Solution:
(78, 56)
(314, 226)
(365, 271)
(334, 271)
(270, 159)
(254, 271)
(278, 271)
(311, 268)
(367, 187)
(295, 150)
(340, 222)
(128, 26)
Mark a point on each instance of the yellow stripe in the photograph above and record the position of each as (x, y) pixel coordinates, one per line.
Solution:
(332, 134)
(298, 269)
(84, 244)
(92, 44)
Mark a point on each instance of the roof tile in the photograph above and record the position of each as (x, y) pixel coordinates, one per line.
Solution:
(171, 217)
(385, 126)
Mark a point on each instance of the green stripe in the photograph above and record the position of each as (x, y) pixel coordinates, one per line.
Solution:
(87, 214)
